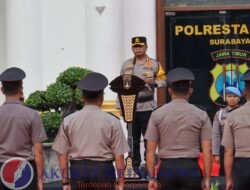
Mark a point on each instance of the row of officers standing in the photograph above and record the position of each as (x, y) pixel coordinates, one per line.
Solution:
(90, 139)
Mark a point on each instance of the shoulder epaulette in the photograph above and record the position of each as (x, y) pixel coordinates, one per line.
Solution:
(114, 115)
(201, 107)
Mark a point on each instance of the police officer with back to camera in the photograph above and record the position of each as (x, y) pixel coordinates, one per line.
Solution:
(92, 139)
(151, 71)
(179, 129)
(237, 144)
(22, 131)
(233, 96)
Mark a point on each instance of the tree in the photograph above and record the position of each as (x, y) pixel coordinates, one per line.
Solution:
(59, 100)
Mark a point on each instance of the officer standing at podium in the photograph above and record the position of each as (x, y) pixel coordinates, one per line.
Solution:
(179, 129)
(92, 139)
(237, 144)
(151, 71)
(21, 128)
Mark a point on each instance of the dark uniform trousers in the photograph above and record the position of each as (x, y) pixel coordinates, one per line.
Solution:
(32, 185)
(88, 174)
(222, 170)
(139, 127)
(179, 174)
(241, 174)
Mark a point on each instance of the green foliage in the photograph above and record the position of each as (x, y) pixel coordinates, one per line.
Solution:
(62, 96)
(78, 97)
(58, 94)
(214, 186)
(37, 101)
(52, 122)
(72, 76)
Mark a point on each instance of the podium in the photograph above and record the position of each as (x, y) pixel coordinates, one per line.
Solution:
(128, 87)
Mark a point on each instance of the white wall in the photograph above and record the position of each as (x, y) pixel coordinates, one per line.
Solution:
(23, 40)
(104, 34)
(139, 20)
(64, 43)
(2, 42)
(44, 37)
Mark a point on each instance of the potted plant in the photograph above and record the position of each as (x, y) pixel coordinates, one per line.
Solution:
(59, 100)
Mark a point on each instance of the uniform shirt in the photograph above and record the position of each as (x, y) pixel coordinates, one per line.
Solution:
(91, 134)
(237, 131)
(147, 68)
(21, 128)
(179, 128)
(219, 120)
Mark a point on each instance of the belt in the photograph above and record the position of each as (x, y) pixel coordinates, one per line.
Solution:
(145, 99)
(241, 158)
(174, 159)
(90, 162)
(32, 162)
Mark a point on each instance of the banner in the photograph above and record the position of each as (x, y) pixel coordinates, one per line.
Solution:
(215, 46)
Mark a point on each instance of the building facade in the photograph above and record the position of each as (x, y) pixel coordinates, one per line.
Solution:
(44, 37)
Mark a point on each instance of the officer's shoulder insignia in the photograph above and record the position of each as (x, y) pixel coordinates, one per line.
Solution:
(233, 109)
(148, 64)
(113, 115)
(200, 107)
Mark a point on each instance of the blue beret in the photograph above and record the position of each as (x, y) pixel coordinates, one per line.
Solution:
(93, 82)
(12, 74)
(233, 90)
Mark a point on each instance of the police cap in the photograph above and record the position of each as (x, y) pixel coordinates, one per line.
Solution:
(93, 82)
(139, 41)
(180, 76)
(12, 74)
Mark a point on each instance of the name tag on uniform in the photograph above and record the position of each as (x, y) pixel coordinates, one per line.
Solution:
(148, 68)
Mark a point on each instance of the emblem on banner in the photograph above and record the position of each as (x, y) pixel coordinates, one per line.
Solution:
(227, 74)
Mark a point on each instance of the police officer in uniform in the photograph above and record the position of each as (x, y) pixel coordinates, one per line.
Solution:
(179, 129)
(141, 65)
(237, 144)
(22, 131)
(232, 98)
(92, 139)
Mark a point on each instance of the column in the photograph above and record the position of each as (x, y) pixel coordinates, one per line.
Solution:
(23, 40)
(64, 43)
(139, 20)
(104, 37)
(2, 43)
